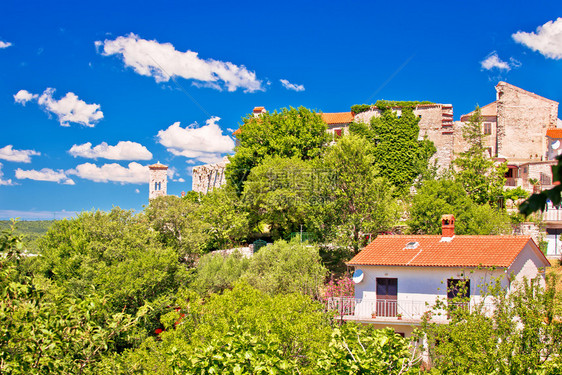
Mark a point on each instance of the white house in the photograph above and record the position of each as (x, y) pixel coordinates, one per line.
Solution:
(400, 276)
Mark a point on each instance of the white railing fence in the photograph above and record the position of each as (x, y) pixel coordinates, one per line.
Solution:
(406, 309)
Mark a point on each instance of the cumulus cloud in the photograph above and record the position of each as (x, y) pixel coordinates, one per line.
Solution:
(124, 150)
(22, 156)
(4, 44)
(45, 174)
(134, 173)
(137, 191)
(291, 86)
(68, 109)
(24, 96)
(493, 61)
(547, 40)
(162, 61)
(205, 143)
(2, 181)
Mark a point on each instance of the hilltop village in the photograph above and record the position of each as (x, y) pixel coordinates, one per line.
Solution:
(383, 240)
(520, 128)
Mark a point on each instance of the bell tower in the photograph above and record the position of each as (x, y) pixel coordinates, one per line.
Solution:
(157, 185)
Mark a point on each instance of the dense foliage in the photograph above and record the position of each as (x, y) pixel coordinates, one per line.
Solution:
(522, 335)
(299, 133)
(398, 154)
(436, 198)
(386, 104)
(482, 179)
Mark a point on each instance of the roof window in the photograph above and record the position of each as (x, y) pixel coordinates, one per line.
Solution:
(412, 245)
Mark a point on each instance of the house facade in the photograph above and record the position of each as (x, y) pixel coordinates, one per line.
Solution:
(399, 277)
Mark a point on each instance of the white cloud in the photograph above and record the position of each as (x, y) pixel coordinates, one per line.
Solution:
(22, 156)
(24, 96)
(181, 180)
(205, 143)
(493, 61)
(68, 109)
(2, 181)
(4, 44)
(134, 173)
(162, 61)
(291, 86)
(137, 191)
(124, 150)
(547, 40)
(45, 174)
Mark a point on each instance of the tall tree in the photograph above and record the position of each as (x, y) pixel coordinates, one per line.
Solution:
(277, 195)
(438, 197)
(290, 133)
(399, 154)
(178, 223)
(352, 202)
(482, 179)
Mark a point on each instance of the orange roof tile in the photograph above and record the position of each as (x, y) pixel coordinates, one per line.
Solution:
(554, 132)
(158, 166)
(237, 131)
(337, 117)
(258, 109)
(490, 110)
(460, 251)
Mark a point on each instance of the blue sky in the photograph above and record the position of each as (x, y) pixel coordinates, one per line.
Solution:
(92, 92)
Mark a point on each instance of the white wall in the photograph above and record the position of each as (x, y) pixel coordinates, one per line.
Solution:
(424, 284)
(527, 265)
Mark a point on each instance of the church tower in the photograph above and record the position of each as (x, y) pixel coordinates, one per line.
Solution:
(158, 180)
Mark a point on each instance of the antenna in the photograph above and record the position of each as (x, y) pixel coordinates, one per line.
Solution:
(358, 276)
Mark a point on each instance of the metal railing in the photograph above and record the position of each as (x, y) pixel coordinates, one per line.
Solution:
(410, 310)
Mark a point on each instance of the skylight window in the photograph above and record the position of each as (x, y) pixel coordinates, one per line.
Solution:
(412, 245)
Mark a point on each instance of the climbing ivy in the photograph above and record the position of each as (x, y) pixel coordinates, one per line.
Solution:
(384, 104)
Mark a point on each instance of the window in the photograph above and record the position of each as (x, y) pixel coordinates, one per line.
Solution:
(458, 293)
(412, 245)
(487, 128)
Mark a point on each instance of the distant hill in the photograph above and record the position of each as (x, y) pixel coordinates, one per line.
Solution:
(30, 230)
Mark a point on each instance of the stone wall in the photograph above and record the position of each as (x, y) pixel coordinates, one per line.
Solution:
(436, 122)
(523, 118)
(209, 176)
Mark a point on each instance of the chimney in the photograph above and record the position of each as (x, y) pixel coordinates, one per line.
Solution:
(447, 226)
(258, 111)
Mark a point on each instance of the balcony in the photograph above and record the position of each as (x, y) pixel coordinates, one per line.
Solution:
(552, 213)
(392, 312)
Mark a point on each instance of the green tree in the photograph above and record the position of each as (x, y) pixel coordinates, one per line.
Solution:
(519, 333)
(290, 133)
(482, 179)
(180, 225)
(43, 330)
(277, 194)
(114, 253)
(286, 267)
(436, 198)
(353, 202)
(217, 272)
(224, 217)
(399, 155)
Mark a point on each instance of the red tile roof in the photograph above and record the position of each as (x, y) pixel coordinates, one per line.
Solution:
(490, 110)
(158, 166)
(337, 117)
(554, 132)
(258, 109)
(430, 251)
(237, 131)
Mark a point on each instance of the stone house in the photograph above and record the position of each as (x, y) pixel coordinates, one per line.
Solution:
(398, 277)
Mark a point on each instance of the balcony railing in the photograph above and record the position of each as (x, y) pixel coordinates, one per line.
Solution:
(552, 213)
(385, 310)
